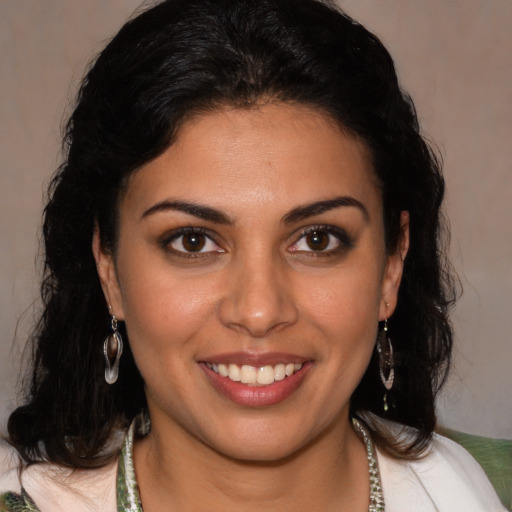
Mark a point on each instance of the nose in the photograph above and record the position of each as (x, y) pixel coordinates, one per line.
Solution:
(258, 298)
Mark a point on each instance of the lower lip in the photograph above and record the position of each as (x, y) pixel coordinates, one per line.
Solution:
(257, 396)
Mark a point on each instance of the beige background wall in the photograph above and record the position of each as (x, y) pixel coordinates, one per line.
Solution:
(453, 56)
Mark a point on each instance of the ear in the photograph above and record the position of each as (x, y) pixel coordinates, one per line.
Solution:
(394, 268)
(107, 274)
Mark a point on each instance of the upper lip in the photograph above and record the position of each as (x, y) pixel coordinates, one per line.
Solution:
(254, 359)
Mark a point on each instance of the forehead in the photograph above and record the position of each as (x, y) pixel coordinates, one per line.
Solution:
(273, 153)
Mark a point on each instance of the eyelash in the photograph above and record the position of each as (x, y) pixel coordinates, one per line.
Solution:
(345, 241)
(168, 240)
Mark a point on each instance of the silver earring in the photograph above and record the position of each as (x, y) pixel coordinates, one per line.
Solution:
(112, 350)
(386, 362)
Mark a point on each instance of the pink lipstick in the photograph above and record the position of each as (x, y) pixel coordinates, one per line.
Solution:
(256, 380)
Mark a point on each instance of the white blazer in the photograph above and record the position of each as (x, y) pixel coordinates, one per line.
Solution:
(448, 479)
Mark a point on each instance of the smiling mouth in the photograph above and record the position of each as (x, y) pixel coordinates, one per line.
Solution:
(253, 375)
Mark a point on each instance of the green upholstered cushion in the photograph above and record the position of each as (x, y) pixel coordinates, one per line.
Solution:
(495, 457)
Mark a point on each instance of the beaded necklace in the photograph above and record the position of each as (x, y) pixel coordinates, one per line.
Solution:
(376, 496)
(128, 498)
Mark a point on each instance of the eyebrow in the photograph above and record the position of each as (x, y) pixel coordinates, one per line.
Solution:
(218, 217)
(310, 210)
(203, 212)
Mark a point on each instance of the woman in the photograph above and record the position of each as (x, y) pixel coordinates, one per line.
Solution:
(245, 295)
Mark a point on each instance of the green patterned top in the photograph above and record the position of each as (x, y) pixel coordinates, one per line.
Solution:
(11, 502)
(128, 498)
(127, 491)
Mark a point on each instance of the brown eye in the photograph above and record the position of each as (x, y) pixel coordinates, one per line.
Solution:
(322, 241)
(193, 242)
(317, 240)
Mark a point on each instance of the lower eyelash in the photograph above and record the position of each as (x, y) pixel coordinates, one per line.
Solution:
(170, 237)
(346, 241)
(167, 241)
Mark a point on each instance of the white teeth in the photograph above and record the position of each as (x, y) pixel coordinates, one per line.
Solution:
(265, 375)
(279, 372)
(251, 375)
(234, 373)
(248, 374)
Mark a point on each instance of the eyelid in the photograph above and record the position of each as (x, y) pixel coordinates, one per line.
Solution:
(175, 234)
(345, 240)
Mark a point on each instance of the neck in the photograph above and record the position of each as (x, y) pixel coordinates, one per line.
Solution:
(177, 472)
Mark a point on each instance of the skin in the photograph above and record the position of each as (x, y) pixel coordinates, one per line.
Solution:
(260, 285)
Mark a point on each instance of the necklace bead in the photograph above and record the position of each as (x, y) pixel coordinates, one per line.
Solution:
(376, 495)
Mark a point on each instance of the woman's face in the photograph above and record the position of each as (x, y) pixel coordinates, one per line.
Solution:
(251, 272)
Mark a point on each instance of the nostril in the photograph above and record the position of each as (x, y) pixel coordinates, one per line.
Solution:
(257, 318)
(259, 297)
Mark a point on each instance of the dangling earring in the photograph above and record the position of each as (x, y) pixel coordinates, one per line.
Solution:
(386, 362)
(112, 350)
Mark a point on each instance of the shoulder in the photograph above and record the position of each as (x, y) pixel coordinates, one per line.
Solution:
(53, 488)
(9, 464)
(446, 479)
(10, 487)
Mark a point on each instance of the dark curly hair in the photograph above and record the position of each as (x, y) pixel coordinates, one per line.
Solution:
(188, 57)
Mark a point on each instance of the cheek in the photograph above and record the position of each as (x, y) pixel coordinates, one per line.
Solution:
(345, 297)
(344, 310)
(161, 310)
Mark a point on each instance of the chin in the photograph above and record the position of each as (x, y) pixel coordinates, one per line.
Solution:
(265, 441)
(259, 452)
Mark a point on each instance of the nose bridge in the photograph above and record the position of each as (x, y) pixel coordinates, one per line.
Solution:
(258, 299)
